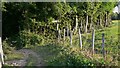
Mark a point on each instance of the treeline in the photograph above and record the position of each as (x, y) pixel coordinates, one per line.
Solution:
(37, 17)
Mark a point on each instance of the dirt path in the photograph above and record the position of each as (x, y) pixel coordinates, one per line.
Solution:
(26, 53)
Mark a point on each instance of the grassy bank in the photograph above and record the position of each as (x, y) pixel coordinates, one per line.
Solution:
(65, 55)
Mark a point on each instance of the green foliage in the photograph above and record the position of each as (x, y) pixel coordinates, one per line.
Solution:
(14, 56)
(66, 56)
(114, 16)
(24, 39)
(6, 47)
(74, 56)
(37, 17)
(9, 53)
(30, 39)
(31, 26)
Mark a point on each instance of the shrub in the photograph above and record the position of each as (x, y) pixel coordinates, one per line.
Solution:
(30, 39)
(25, 39)
(6, 47)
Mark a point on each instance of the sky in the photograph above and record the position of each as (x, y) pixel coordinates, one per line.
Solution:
(115, 9)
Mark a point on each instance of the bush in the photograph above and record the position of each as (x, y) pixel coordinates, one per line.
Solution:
(72, 56)
(30, 39)
(26, 39)
(6, 47)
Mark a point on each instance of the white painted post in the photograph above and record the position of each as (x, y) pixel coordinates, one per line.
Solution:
(103, 45)
(93, 40)
(58, 31)
(59, 35)
(71, 38)
(80, 39)
(76, 25)
(0, 64)
(1, 53)
(56, 21)
(57, 26)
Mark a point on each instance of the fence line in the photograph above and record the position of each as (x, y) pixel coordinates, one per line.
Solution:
(80, 40)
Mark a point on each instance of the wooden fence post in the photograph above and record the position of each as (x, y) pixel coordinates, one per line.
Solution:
(76, 25)
(103, 45)
(93, 40)
(64, 36)
(80, 39)
(71, 38)
(1, 53)
(59, 36)
(57, 26)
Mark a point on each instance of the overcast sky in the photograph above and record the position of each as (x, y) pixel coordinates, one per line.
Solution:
(115, 9)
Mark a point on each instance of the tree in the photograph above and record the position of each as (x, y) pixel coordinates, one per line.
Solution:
(37, 17)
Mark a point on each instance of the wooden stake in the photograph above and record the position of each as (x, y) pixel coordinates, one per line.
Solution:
(76, 25)
(80, 39)
(59, 35)
(1, 53)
